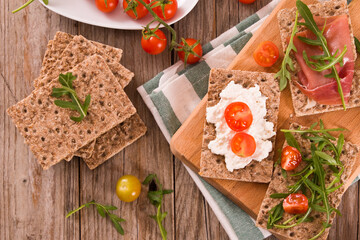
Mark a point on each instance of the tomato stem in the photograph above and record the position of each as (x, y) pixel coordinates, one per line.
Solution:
(23, 6)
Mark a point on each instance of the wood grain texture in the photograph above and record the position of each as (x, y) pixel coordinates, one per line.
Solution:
(33, 202)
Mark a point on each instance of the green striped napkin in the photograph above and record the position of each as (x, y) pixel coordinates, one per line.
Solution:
(173, 94)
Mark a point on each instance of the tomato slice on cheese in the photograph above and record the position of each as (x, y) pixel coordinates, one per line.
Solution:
(243, 144)
(238, 116)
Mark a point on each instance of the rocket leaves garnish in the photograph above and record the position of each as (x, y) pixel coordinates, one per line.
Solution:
(284, 74)
(357, 44)
(46, 2)
(155, 196)
(325, 156)
(68, 89)
(103, 210)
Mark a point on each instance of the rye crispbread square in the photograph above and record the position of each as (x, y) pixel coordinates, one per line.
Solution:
(279, 184)
(115, 140)
(56, 46)
(302, 104)
(48, 129)
(78, 49)
(212, 165)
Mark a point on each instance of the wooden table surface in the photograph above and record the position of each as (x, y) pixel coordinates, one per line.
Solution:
(34, 202)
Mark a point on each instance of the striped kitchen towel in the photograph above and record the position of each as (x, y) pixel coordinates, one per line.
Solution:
(173, 94)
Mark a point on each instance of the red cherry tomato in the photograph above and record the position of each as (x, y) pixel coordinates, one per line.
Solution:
(296, 203)
(170, 9)
(266, 54)
(141, 11)
(154, 45)
(238, 116)
(191, 58)
(106, 7)
(290, 158)
(247, 1)
(243, 144)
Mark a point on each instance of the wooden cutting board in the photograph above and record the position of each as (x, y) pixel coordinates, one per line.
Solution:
(186, 143)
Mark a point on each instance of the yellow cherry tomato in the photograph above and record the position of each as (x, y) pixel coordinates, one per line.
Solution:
(128, 188)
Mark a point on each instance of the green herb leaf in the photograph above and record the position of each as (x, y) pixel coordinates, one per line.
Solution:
(103, 210)
(155, 197)
(291, 141)
(279, 195)
(357, 44)
(66, 80)
(328, 158)
(284, 74)
(275, 215)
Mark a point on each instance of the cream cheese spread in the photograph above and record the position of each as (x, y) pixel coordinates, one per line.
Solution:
(260, 129)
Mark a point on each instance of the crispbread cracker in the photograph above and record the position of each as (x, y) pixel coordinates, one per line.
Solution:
(86, 151)
(48, 129)
(75, 52)
(56, 46)
(302, 104)
(115, 140)
(279, 184)
(212, 165)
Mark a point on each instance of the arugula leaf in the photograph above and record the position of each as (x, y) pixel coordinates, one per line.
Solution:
(66, 80)
(290, 139)
(155, 195)
(284, 74)
(103, 210)
(275, 215)
(357, 44)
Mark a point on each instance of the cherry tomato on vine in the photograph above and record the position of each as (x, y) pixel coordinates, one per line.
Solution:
(290, 158)
(266, 54)
(247, 1)
(243, 144)
(187, 46)
(140, 9)
(128, 188)
(107, 7)
(170, 7)
(238, 116)
(154, 45)
(296, 203)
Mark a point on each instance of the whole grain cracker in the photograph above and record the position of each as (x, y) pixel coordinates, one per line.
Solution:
(279, 184)
(75, 52)
(212, 165)
(48, 129)
(115, 140)
(303, 106)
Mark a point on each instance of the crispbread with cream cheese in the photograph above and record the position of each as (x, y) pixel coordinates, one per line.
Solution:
(212, 165)
(279, 184)
(302, 104)
(48, 129)
(115, 140)
(78, 49)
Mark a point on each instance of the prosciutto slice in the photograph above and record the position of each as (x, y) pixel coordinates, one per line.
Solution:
(314, 84)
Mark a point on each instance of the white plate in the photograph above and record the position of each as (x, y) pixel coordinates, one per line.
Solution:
(85, 11)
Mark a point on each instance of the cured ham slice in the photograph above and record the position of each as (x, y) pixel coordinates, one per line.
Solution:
(314, 84)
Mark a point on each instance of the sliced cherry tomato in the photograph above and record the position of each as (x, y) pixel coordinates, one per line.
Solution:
(243, 144)
(189, 45)
(247, 1)
(170, 7)
(128, 188)
(290, 158)
(238, 116)
(154, 45)
(296, 203)
(106, 7)
(266, 54)
(140, 9)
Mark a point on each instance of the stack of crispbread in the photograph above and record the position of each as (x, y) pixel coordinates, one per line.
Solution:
(112, 122)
